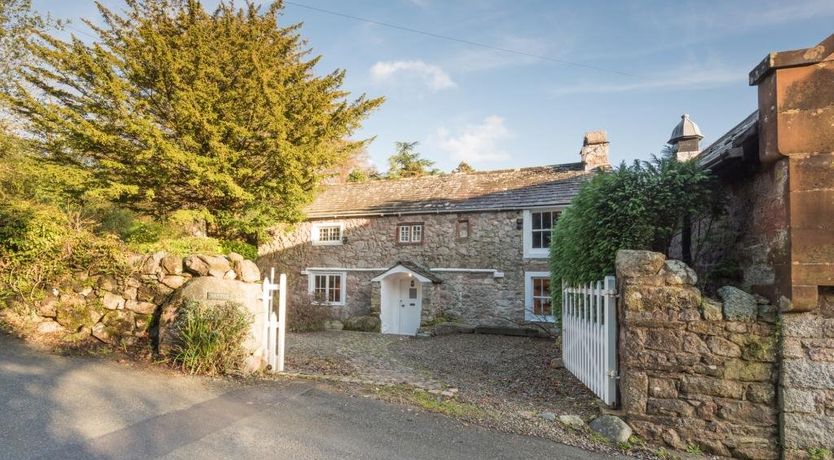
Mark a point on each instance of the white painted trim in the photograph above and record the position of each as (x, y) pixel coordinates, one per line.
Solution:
(341, 269)
(528, 298)
(401, 269)
(495, 273)
(314, 233)
(529, 252)
(311, 284)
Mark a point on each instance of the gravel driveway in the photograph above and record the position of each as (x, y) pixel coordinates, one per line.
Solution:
(486, 369)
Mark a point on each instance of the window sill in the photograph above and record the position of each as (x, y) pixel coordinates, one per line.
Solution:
(327, 243)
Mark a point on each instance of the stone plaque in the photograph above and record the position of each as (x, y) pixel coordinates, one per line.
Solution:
(218, 296)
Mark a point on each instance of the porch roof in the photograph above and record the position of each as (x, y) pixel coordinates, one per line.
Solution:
(403, 266)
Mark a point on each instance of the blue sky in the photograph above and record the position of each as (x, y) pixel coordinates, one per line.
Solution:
(495, 109)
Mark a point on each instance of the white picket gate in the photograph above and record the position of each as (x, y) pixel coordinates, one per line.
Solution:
(275, 324)
(589, 336)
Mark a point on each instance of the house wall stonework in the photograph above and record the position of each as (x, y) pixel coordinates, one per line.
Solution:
(495, 242)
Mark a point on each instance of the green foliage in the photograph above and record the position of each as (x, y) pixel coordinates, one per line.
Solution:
(210, 339)
(407, 162)
(820, 453)
(245, 249)
(17, 23)
(307, 315)
(39, 244)
(638, 206)
(175, 109)
(357, 175)
(692, 448)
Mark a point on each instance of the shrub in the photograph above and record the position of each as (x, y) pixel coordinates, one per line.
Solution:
(637, 206)
(307, 315)
(210, 338)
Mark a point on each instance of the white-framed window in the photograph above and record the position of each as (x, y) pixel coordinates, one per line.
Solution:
(327, 233)
(328, 287)
(538, 227)
(410, 233)
(537, 302)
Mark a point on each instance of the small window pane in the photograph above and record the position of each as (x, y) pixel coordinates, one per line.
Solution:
(547, 220)
(404, 236)
(546, 239)
(537, 220)
(412, 293)
(537, 240)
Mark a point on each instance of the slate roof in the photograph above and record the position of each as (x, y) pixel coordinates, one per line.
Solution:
(508, 189)
(728, 145)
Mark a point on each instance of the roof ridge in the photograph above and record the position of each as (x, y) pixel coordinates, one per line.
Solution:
(566, 166)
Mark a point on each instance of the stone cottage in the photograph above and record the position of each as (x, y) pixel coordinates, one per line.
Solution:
(403, 253)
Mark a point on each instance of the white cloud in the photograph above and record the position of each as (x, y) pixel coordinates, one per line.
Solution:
(687, 77)
(429, 74)
(477, 143)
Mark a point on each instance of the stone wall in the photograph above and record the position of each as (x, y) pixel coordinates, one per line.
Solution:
(695, 371)
(494, 242)
(807, 383)
(747, 245)
(119, 310)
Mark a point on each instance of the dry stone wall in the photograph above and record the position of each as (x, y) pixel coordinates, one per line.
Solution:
(695, 371)
(119, 310)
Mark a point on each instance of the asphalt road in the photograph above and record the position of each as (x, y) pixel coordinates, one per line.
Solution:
(73, 407)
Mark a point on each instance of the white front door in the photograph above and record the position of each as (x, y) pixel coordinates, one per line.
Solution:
(409, 306)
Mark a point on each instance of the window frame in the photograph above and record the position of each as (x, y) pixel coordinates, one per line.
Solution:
(311, 286)
(529, 314)
(315, 233)
(529, 251)
(410, 226)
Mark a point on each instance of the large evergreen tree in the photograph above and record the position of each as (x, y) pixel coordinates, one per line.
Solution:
(178, 110)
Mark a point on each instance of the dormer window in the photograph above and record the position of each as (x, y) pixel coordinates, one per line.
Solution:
(410, 233)
(330, 233)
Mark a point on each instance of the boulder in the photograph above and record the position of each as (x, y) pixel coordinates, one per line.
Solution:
(362, 323)
(213, 291)
(79, 316)
(571, 421)
(612, 428)
(631, 263)
(196, 266)
(247, 271)
(548, 416)
(676, 272)
(738, 305)
(171, 264)
(235, 258)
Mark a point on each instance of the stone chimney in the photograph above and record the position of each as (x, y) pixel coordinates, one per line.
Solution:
(594, 151)
(685, 139)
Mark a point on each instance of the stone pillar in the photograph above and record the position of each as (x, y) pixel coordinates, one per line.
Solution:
(796, 115)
